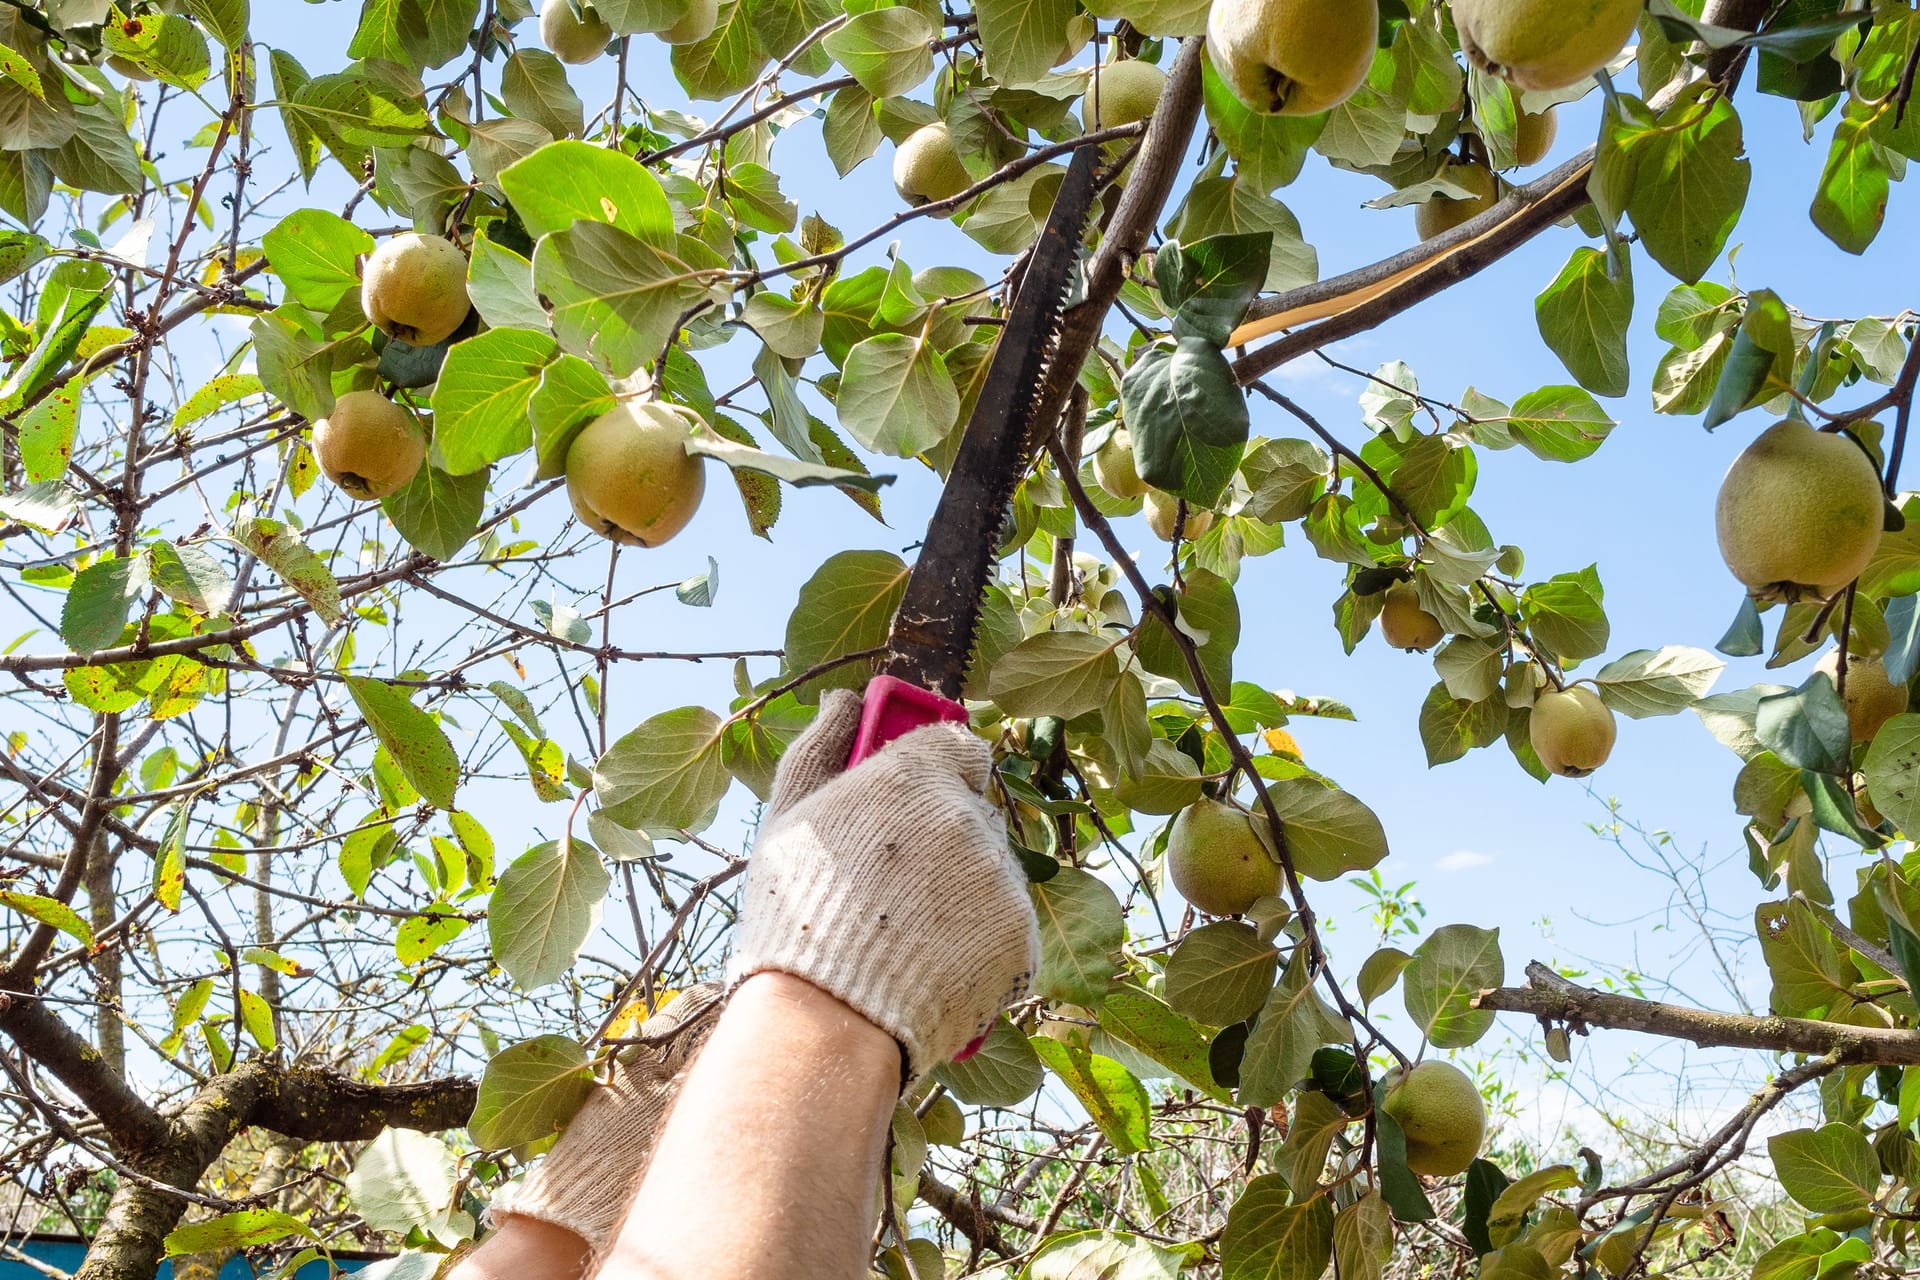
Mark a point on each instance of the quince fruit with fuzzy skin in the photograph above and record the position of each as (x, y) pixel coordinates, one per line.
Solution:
(1122, 93)
(414, 288)
(1217, 861)
(1113, 466)
(1534, 136)
(926, 167)
(574, 38)
(1163, 513)
(368, 446)
(1293, 57)
(1404, 623)
(1443, 213)
(1572, 731)
(1799, 513)
(630, 477)
(1871, 698)
(1544, 44)
(702, 17)
(1438, 1107)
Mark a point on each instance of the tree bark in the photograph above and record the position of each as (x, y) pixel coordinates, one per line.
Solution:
(1551, 998)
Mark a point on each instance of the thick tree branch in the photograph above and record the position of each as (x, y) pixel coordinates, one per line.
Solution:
(1370, 296)
(1552, 998)
(326, 1106)
(1154, 171)
(132, 1125)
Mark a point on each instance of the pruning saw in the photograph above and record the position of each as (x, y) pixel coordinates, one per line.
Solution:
(931, 637)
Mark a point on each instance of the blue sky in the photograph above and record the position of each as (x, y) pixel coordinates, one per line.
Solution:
(1486, 843)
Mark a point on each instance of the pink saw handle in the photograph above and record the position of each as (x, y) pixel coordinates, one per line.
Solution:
(892, 707)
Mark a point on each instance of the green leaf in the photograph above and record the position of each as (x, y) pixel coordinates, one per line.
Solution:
(48, 911)
(1114, 1099)
(799, 474)
(1187, 417)
(1237, 206)
(1055, 673)
(1147, 1024)
(896, 396)
(1762, 351)
(790, 328)
(1003, 1073)
(500, 285)
(1363, 1238)
(1286, 477)
(1268, 1237)
(545, 906)
(1826, 1170)
(1222, 973)
(1165, 781)
(1293, 1024)
(95, 612)
(1807, 727)
(1658, 682)
(566, 182)
(289, 557)
(1508, 1213)
(1559, 424)
(1566, 616)
(1103, 1255)
(571, 394)
(413, 738)
(727, 61)
(1328, 832)
(1455, 963)
(529, 1091)
(401, 1180)
(1583, 316)
(480, 403)
(1450, 727)
(1892, 770)
(1081, 929)
(850, 131)
(1850, 203)
(316, 254)
(1022, 38)
(616, 298)
(666, 775)
(218, 392)
(1689, 183)
(437, 513)
(241, 1229)
(419, 936)
(845, 607)
(886, 50)
(1268, 150)
(257, 1016)
(534, 85)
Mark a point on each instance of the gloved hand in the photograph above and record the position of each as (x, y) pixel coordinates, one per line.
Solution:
(890, 885)
(588, 1179)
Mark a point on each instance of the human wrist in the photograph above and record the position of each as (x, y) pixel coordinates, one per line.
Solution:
(809, 1019)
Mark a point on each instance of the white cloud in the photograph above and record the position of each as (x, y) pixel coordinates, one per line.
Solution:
(1463, 860)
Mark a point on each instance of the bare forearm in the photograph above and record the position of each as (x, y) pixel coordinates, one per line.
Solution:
(526, 1249)
(770, 1162)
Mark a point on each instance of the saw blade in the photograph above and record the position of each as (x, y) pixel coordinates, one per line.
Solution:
(932, 634)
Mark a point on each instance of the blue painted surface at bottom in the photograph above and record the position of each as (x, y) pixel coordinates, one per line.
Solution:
(66, 1253)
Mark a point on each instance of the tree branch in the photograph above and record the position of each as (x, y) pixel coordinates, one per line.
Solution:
(1552, 998)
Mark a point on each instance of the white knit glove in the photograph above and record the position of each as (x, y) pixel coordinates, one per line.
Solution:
(891, 885)
(588, 1180)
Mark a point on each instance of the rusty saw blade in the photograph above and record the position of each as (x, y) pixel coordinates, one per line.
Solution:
(932, 634)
